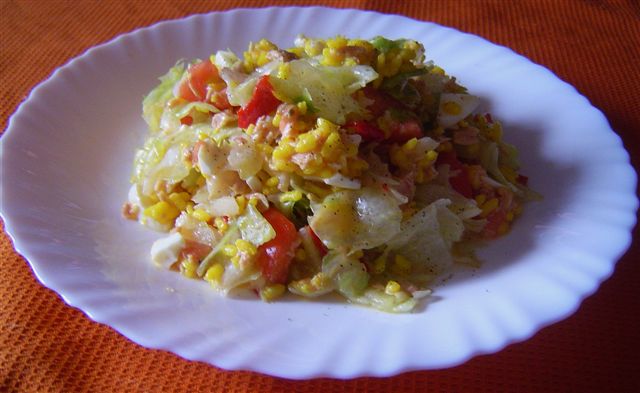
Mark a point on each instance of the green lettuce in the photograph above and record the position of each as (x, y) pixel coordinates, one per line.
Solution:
(327, 89)
(254, 227)
(154, 103)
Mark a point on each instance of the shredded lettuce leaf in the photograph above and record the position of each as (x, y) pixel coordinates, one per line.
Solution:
(355, 220)
(426, 238)
(154, 103)
(328, 89)
(348, 274)
(210, 259)
(377, 298)
(254, 227)
(197, 106)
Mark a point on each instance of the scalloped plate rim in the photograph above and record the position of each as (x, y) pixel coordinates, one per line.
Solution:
(92, 312)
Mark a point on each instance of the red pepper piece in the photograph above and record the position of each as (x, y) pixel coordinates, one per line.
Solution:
(367, 130)
(275, 256)
(262, 103)
(460, 180)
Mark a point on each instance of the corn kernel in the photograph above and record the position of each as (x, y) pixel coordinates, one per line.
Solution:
(272, 292)
(437, 70)
(246, 247)
(324, 127)
(392, 287)
(230, 250)
(302, 107)
(283, 70)
(221, 224)
(269, 190)
(272, 181)
(326, 173)
(350, 62)
(319, 280)
(283, 165)
(201, 215)
(509, 216)
(179, 199)
(214, 274)
(489, 206)
(410, 144)
(242, 203)
(283, 151)
(291, 196)
(188, 267)
(236, 261)
(276, 120)
(332, 148)
(431, 155)
(297, 51)
(480, 199)
(306, 143)
(163, 212)
(337, 42)
(319, 190)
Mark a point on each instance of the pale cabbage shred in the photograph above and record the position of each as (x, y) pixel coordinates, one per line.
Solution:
(349, 220)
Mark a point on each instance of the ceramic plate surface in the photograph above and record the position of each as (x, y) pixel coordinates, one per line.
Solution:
(66, 159)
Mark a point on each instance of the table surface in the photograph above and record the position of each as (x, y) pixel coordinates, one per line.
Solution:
(46, 345)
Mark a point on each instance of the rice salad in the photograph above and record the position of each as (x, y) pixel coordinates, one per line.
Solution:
(341, 165)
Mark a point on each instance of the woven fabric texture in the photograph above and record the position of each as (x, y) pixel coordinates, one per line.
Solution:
(48, 346)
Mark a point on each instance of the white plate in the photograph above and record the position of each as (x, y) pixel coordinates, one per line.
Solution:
(67, 154)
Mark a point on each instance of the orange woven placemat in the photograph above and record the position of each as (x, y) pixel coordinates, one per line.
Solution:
(46, 345)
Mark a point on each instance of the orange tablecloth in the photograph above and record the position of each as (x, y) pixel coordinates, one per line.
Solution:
(594, 45)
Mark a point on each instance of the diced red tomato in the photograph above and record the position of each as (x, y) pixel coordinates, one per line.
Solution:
(460, 181)
(187, 120)
(403, 131)
(322, 249)
(200, 75)
(196, 249)
(275, 256)
(262, 103)
(494, 220)
(220, 100)
(367, 130)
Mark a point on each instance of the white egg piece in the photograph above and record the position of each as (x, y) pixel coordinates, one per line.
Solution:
(455, 107)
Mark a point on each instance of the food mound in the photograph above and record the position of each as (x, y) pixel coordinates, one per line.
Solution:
(340, 165)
